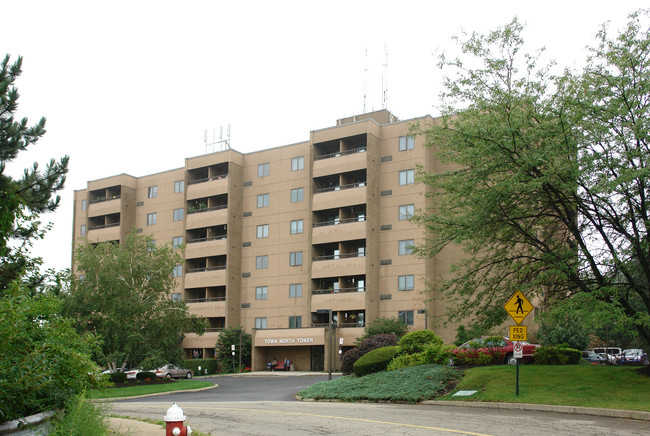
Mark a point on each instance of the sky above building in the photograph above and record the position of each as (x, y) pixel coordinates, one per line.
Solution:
(132, 86)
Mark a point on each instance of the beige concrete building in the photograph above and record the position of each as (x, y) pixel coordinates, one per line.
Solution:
(276, 239)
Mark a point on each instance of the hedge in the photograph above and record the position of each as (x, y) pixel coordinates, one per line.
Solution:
(547, 355)
(374, 361)
(193, 364)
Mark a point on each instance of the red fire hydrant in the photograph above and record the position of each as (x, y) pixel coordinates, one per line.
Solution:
(174, 421)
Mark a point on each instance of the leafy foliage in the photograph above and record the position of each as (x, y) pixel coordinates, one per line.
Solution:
(547, 182)
(412, 385)
(557, 356)
(45, 361)
(145, 375)
(564, 328)
(210, 364)
(416, 341)
(377, 341)
(82, 417)
(374, 361)
(348, 359)
(380, 326)
(228, 337)
(117, 377)
(125, 298)
(22, 200)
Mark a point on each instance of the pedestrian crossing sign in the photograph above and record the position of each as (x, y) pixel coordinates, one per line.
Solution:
(518, 307)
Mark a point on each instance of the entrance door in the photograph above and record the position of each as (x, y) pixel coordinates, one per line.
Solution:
(318, 358)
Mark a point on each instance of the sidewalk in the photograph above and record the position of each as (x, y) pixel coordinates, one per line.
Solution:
(124, 426)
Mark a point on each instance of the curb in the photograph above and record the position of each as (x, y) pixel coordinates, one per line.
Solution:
(575, 410)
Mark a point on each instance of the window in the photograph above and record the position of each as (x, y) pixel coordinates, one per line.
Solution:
(361, 251)
(406, 316)
(405, 283)
(261, 262)
(264, 170)
(177, 241)
(406, 211)
(178, 271)
(407, 177)
(296, 195)
(263, 231)
(261, 293)
(296, 227)
(178, 214)
(295, 258)
(295, 290)
(295, 322)
(406, 143)
(298, 163)
(152, 192)
(263, 200)
(260, 323)
(84, 204)
(152, 218)
(82, 231)
(176, 297)
(406, 247)
(179, 186)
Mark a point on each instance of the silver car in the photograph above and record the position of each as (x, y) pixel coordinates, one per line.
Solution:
(173, 371)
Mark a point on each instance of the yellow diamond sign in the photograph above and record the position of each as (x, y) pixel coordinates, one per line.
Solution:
(518, 307)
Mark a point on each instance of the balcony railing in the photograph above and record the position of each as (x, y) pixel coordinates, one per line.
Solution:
(338, 256)
(102, 199)
(340, 187)
(104, 226)
(208, 179)
(204, 269)
(340, 221)
(339, 290)
(342, 324)
(192, 210)
(205, 300)
(340, 153)
(214, 329)
(209, 238)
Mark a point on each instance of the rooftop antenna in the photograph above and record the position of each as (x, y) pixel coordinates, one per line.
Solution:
(384, 80)
(217, 145)
(365, 81)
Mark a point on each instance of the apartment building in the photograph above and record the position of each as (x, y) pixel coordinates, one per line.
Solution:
(280, 239)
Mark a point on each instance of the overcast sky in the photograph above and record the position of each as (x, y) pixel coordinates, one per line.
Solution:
(131, 86)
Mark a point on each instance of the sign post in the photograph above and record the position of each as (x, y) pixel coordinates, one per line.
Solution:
(518, 307)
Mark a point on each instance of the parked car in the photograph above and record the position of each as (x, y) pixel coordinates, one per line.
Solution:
(633, 356)
(594, 358)
(504, 349)
(173, 371)
(132, 373)
(612, 354)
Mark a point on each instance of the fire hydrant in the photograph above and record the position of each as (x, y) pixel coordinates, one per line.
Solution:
(174, 421)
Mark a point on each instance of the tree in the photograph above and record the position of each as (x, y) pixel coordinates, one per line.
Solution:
(22, 200)
(229, 337)
(547, 185)
(125, 297)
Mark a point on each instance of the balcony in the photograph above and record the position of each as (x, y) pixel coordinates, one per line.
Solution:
(205, 308)
(204, 247)
(207, 186)
(205, 277)
(104, 206)
(206, 340)
(339, 196)
(206, 217)
(337, 162)
(338, 230)
(105, 232)
(338, 265)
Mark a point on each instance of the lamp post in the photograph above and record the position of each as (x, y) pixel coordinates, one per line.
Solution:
(329, 312)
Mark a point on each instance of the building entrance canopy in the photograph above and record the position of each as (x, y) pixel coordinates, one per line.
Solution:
(289, 337)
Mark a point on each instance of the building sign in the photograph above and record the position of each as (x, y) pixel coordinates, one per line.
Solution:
(286, 341)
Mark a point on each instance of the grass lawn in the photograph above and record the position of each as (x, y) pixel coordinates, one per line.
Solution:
(608, 387)
(411, 385)
(132, 391)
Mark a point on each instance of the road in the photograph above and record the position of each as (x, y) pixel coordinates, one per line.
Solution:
(259, 406)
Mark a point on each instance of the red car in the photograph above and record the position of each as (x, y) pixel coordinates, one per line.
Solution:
(502, 348)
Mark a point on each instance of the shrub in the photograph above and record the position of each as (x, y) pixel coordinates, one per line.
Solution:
(381, 326)
(143, 375)
(438, 354)
(374, 361)
(82, 417)
(573, 355)
(557, 356)
(377, 341)
(117, 377)
(472, 357)
(347, 362)
(210, 364)
(406, 360)
(415, 342)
